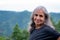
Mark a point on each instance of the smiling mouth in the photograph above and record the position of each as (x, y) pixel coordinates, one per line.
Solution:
(38, 21)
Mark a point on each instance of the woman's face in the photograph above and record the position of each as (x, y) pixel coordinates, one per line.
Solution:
(39, 17)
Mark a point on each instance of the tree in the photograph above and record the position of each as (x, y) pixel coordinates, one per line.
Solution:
(16, 35)
(25, 35)
(58, 26)
(54, 24)
(19, 34)
(2, 38)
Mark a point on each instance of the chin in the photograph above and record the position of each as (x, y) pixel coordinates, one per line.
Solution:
(39, 23)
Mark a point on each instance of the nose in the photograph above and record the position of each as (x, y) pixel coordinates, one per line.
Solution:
(38, 17)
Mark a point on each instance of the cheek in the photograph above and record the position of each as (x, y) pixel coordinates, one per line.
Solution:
(34, 18)
(43, 19)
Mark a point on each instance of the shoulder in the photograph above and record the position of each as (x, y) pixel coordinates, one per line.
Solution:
(47, 28)
(52, 31)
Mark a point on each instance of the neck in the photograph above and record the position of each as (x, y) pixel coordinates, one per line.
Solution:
(38, 26)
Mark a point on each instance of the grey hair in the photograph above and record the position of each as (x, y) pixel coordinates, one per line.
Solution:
(48, 21)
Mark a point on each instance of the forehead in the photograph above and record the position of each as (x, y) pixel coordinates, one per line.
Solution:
(39, 11)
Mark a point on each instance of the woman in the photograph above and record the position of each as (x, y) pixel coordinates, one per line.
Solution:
(41, 26)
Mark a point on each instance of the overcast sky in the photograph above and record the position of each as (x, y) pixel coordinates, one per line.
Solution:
(30, 5)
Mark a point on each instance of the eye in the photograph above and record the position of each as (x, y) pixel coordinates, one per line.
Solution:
(36, 14)
(41, 15)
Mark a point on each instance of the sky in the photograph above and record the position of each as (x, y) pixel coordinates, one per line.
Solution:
(30, 5)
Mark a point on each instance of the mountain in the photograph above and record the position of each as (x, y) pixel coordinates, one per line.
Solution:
(55, 16)
(8, 20)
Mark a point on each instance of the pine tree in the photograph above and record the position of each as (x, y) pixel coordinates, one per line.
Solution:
(2, 38)
(16, 35)
(19, 34)
(58, 26)
(25, 35)
(54, 24)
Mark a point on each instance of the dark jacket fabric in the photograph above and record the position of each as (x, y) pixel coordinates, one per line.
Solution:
(44, 33)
